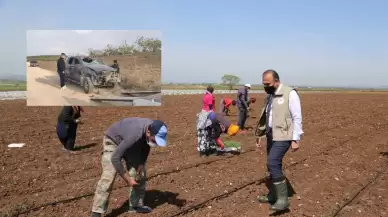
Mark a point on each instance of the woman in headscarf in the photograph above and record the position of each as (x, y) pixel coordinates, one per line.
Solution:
(68, 120)
(208, 99)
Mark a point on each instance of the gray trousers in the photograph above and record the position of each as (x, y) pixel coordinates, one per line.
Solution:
(242, 117)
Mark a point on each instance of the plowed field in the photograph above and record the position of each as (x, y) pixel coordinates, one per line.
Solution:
(340, 169)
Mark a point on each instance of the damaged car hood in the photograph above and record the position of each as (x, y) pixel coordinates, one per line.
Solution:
(99, 68)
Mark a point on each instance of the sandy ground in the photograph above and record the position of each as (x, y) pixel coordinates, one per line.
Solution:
(43, 89)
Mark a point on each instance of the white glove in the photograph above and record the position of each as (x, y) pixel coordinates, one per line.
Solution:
(77, 121)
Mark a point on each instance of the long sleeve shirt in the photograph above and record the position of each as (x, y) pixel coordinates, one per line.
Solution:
(116, 66)
(227, 102)
(129, 136)
(67, 115)
(242, 97)
(208, 102)
(61, 65)
(296, 114)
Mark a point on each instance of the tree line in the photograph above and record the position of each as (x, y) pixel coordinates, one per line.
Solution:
(141, 45)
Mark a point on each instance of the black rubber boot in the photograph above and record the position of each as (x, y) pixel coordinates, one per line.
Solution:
(270, 197)
(140, 208)
(282, 202)
(96, 214)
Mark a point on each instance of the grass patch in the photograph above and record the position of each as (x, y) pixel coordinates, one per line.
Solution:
(232, 144)
(43, 58)
(13, 85)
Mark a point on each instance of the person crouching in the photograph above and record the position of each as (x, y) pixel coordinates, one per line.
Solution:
(130, 139)
(225, 104)
(68, 120)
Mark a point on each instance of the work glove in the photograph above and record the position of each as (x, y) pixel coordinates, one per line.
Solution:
(129, 180)
(220, 143)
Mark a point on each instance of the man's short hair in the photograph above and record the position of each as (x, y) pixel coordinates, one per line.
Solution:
(63, 54)
(115, 61)
(274, 74)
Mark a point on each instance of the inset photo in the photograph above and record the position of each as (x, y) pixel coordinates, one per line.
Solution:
(94, 68)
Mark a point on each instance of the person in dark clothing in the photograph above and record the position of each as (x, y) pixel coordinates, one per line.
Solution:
(61, 67)
(116, 66)
(242, 105)
(130, 139)
(67, 125)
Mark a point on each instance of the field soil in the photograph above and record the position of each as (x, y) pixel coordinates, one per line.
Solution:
(138, 72)
(340, 169)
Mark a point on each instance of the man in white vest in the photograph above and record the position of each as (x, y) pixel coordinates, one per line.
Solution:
(281, 123)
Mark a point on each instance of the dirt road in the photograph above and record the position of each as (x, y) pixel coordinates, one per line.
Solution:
(43, 89)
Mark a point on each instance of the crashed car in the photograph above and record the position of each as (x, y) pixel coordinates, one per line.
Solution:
(90, 73)
(34, 63)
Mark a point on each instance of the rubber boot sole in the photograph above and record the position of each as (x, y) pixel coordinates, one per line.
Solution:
(144, 209)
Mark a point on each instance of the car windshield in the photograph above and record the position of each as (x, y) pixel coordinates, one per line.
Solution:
(89, 61)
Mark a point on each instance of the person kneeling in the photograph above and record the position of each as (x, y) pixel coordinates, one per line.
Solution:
(68, 120)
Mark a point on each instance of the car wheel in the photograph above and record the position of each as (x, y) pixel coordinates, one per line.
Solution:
(88, 85)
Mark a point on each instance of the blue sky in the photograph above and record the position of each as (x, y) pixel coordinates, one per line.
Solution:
(308, 42)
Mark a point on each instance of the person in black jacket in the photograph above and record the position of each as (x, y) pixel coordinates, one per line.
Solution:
(61, 66)
(116, 66)
(68, 121)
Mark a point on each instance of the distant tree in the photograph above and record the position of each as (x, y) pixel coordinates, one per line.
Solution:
(230, 80)
(92, 53)
(126, 49)
(110, 50)
(144, 44)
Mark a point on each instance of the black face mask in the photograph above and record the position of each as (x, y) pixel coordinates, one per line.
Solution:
(270, 89)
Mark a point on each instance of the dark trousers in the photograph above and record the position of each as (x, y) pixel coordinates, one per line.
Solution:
(275, 153)
(224, 110)
(242, 117)
(61, 78)
(67, 134)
